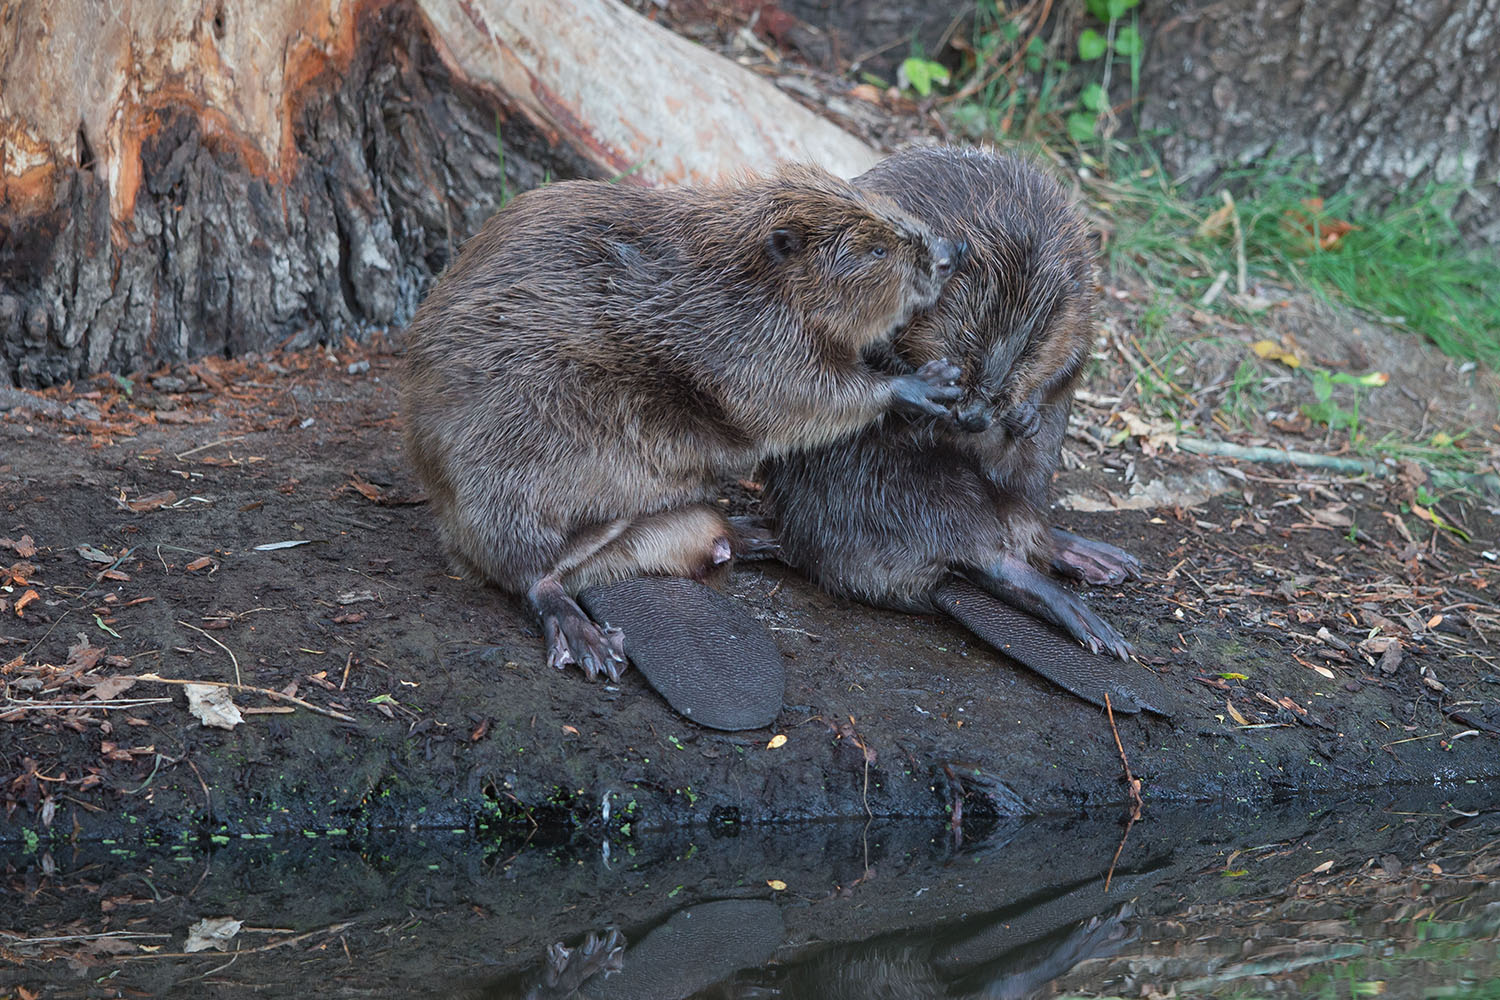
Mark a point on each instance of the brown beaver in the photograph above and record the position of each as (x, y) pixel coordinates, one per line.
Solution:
(599, 355)
(900, 514)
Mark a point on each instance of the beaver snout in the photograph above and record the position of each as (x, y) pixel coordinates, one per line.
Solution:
(945, 257)
(973, 417)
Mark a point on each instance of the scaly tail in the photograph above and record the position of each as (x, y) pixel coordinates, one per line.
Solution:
(1047, 651)
(703, 653)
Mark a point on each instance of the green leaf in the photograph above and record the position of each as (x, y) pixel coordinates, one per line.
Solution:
(1116, 8)
(920, 74)
(1099, 8)
(1081, 126)
(1093, 98)
(1128, 41)
(1091, 44)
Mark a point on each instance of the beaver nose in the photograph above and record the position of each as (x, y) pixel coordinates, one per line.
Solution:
(973, 418)
(944, 258)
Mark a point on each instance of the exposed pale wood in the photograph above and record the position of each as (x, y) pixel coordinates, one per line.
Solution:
(179, 179)
(632, 96)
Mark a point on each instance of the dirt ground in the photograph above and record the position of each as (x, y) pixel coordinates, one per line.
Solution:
(252, 521)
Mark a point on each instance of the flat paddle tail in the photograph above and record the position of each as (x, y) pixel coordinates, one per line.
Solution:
(1047, 651)
(702, 652)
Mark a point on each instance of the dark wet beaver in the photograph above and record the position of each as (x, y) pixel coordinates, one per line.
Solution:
(599, 355)
(893, 515)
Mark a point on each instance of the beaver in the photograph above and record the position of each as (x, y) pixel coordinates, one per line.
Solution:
(599, 355)
(910, 513)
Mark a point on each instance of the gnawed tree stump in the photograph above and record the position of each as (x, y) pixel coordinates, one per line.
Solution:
(180, 181)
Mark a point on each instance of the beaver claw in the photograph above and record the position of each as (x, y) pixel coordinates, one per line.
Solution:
(1022, 587)
(573, 638)
(932, 389)
(1023, 420)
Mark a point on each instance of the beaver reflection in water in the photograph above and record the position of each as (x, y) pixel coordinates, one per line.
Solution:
(600, 355)
(898, 512)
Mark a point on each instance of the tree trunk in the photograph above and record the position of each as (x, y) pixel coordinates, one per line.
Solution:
(1394, 93)
(186, 180)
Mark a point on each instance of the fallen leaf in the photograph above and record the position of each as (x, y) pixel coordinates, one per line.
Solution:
(273, 546)
(202, 562)
(140, 505)
(1217, 220)
(25, 548)
(94, 555)
(367, 490)
(777, 741)
(1234, 713)
(571, 729)
(111, 687)
(213, 706)
(17, 573)
(1270, 350)
(777, 884)
(24, 600)
(1324, 867)
(355, 597)
(211, 932)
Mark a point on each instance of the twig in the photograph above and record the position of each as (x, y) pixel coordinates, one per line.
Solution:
(11, 705)
(203, 447)
(1132, 782)
(267, 692)
(232, 658)
(1279, 456)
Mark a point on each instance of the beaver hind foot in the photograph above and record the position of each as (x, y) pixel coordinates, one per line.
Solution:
(1019, 584)
(572, 637)
(1045, 651)
(702, 652)
(1092, 561)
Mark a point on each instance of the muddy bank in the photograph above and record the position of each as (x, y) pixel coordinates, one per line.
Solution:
(1310, 651)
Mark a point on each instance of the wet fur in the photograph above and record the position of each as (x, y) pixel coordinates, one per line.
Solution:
(887, 516)
(599, 355)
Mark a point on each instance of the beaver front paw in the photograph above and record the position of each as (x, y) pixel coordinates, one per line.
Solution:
(933, 389)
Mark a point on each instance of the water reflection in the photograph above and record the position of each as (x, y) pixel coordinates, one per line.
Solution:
(1297, 901)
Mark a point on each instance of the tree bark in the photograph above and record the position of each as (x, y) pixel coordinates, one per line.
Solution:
(186, 180)
(1389, 93)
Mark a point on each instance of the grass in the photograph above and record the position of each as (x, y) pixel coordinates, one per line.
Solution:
(1405, 264)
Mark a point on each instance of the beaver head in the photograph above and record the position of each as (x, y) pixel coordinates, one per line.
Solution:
(852, 265)
(1017, 316)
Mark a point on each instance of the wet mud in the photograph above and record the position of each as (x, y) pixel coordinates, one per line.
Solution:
(152, 522)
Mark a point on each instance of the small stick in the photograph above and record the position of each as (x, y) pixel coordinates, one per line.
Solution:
(1132, 782)
(253, 690)
(232, 658)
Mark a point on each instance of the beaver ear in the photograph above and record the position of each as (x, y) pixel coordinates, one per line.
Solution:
(782, 243)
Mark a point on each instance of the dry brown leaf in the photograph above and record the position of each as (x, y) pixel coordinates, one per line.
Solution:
(366, 490)
(25, 548)
(142, 504)
(202, 562)
(111, 687)
(211, 932)
(213, 706)
(1234, 713)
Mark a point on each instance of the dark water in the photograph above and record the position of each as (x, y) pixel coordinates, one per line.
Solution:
(1391, 898)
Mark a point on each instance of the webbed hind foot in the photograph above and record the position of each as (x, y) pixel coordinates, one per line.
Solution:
(1092, 561)
(572, 637)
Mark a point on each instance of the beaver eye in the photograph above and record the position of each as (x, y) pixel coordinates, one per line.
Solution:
(877, 251)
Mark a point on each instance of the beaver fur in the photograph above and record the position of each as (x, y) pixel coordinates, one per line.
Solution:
(600, 355)
(893, 514)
